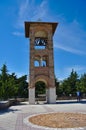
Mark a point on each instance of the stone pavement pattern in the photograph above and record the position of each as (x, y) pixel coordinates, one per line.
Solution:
(13, 118)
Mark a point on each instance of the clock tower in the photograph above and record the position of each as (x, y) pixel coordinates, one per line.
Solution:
(41, 58)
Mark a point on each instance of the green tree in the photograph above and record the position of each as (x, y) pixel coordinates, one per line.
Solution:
(72, 81)
(11, 86)
(22, 86)
(66, 87)
(40, 88)
(69, 85)
(3, 80)
(82, 83)
(59, 89)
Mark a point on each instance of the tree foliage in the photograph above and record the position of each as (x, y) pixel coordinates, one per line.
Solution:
(82, 83)
(11, 86)
(71, 85)
(40, 88)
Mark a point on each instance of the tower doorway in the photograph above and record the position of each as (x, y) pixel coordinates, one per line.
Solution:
(40, 91)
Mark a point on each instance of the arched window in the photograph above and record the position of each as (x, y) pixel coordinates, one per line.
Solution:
(41, 61)
(40, 40)
(40, 43)
(36, 63)
(45, 61)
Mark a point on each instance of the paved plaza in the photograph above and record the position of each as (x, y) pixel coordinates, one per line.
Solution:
(14, 117)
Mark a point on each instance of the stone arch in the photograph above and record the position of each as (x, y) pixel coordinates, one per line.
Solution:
(43, 78)
(37, 57)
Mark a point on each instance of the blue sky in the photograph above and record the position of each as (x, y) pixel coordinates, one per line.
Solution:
(69, 38)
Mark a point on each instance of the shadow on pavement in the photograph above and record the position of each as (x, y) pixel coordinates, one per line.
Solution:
(7, 110)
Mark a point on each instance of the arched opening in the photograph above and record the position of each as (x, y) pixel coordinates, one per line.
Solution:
(45, 61)
(36, 63)
(40, 91)
(41, 61)
(40, 43)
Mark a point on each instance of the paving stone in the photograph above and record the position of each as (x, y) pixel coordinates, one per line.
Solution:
(13, 118)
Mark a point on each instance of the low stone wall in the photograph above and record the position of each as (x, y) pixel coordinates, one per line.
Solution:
(22, 99)
(10, 102)
(4, 104)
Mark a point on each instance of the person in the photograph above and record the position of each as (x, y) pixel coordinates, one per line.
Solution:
(78, 95)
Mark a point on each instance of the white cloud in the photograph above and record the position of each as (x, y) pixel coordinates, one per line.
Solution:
(22, 13)
(69, 49)
(18, 34)
(79, 69)
(75, 68)
(65, 72)
(40, 11)
(30, 11)
(71, 37)
(18, 74)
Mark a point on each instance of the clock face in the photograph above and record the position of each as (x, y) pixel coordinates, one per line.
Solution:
(40, 42)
